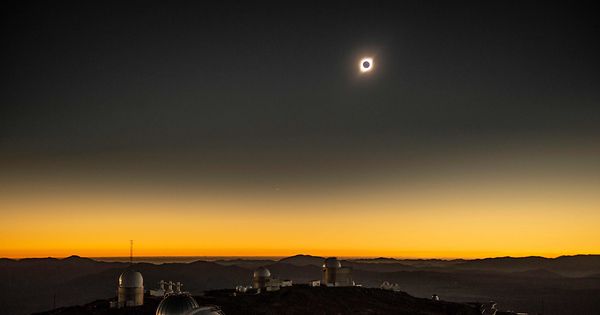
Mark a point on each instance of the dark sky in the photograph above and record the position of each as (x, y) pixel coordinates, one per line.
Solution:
(274, 88)
(245, 121)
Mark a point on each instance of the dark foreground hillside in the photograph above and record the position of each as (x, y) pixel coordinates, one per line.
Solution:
(299, 300)
(34, 285)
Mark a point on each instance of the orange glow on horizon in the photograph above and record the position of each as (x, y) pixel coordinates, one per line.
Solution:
(543, 203)
(446, 221)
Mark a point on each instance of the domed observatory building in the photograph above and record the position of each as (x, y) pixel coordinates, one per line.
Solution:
(131, 289)
(334, 275)
(177, 304)
(262, 281)
(261, 277)
(184, 304)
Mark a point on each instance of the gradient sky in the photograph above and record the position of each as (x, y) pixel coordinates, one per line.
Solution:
(246, 129)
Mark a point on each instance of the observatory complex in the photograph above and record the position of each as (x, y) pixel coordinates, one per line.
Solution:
(262, 280)
(334, 275)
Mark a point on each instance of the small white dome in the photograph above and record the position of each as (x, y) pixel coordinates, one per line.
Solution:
(131, 279)
(332, 262)
(262, 272)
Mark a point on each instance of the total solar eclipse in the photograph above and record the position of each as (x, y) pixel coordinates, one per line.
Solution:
(366, 64)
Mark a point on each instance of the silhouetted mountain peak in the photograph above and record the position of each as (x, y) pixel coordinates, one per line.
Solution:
(378, 260)
(75, 258)
(303, 260)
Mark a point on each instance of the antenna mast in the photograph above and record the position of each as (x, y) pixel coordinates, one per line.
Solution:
(130, 252)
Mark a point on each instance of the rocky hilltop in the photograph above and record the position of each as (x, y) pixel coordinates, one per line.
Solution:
(298, 299)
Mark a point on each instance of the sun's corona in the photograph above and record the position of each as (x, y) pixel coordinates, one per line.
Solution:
(366, 64)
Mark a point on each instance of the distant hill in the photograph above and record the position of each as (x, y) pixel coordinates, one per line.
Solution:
(303, 260)
(570, 266)
(379, 265)
(378, 260)
(249, 263)
(573, 266)
(418, 263)
(537, 273)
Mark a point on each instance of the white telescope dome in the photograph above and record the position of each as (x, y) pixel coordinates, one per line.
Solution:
(262, 272)
(131, 279)
(177, 304)
(332, 262)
